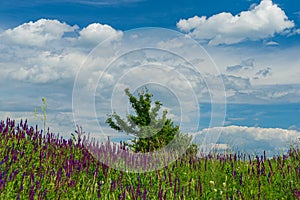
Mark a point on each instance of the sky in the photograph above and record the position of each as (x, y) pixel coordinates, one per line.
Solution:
(242, 81)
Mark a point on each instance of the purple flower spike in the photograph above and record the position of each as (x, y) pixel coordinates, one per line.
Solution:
(241, 178)
(145, 193)
(99, 191)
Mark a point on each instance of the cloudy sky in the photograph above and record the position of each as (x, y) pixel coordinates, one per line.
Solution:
(212, 63)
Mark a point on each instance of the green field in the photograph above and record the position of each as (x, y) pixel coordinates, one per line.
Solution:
(36, 165)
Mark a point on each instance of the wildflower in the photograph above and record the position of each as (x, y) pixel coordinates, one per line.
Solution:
(224, 184)
(215, 190)
(241, 178)
(212, 182)
(297, 193)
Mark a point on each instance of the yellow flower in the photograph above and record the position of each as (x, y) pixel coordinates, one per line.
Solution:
(212, 182)
(224, 184)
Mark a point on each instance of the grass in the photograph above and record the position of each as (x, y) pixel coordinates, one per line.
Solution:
(46, 166)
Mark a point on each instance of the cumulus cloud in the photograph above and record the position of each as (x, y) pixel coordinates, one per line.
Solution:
(259, 22)
(42, 66)
(45, 32)
(48, 50)
(252, 139)
(96, 33)
(38, 33)
(52, 54)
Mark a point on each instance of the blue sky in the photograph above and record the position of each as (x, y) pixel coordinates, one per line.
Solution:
(253, 44)
(124, 15)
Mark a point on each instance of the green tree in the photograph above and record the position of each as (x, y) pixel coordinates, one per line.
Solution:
(150, 132)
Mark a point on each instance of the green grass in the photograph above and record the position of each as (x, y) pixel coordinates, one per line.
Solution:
(46, 166)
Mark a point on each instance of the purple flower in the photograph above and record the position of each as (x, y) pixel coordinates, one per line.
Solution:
(31, 193)
(297, 193)
(241, 178)
(2, 183)
(99, 191)
(132, 192)
(297, 169)
(145, 193)
(160, 196)
(68, 174)
(32, 178)
(234, 174)
(270, 165)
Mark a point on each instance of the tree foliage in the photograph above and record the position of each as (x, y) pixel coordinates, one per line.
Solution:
(150, 132)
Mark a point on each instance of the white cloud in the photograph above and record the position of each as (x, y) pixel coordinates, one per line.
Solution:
(253, 139)
(236, 83)
(22, 63)
(244, 65)
(283, 63)
(39, 63)
(45, 32)
(261, 21)
(42, 66)
(38, 33)
(96, 33)
(297, 31)
(42, 52)
(272, 43)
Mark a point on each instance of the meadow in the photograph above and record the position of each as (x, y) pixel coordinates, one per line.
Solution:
(37, 165)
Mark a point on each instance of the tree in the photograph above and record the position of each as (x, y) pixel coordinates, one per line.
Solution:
(150, 132)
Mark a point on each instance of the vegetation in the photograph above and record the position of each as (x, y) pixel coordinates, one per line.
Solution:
(47, 166)
(39, 165)
(151, 133)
